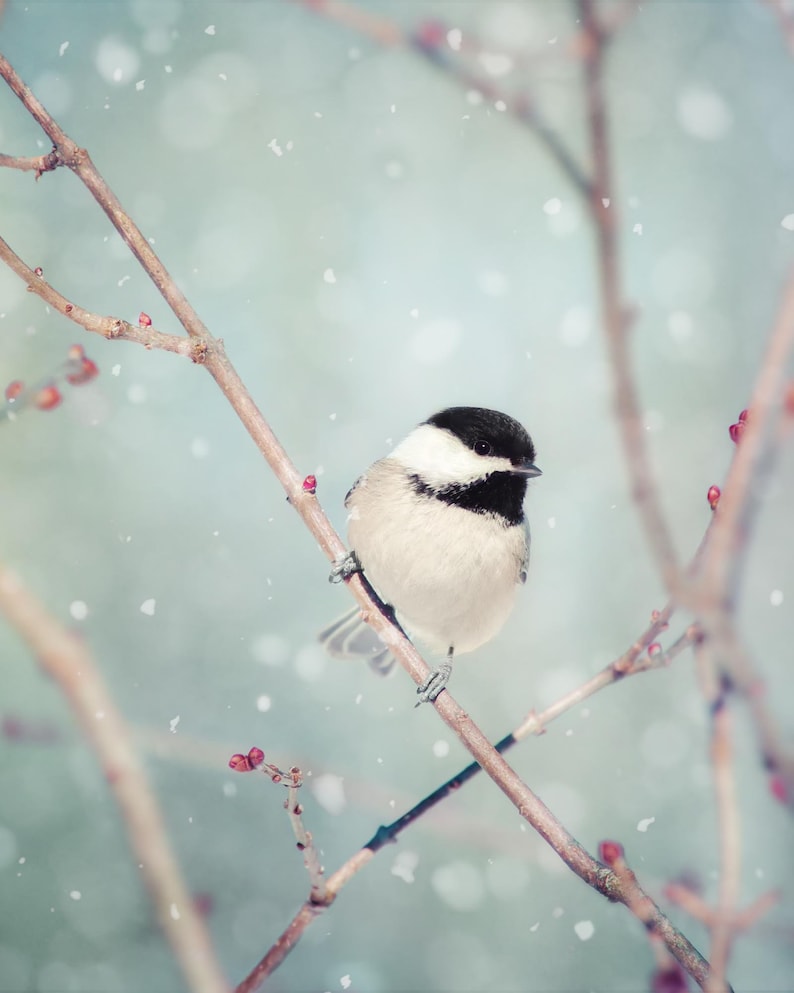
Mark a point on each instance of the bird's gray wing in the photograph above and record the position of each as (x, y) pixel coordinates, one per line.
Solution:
(351, 491)
(522, 572)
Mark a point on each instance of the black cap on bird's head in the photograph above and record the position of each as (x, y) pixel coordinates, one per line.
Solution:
(490, 433)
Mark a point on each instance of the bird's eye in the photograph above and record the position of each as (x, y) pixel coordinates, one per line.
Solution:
(482, 447)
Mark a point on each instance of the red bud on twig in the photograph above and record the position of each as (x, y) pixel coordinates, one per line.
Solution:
(610, 852)
(310, 484)
(240, 763)
(713, 496)
(144, 320)
(256, 756)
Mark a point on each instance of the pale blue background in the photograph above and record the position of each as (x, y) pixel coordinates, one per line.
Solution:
(453, 285)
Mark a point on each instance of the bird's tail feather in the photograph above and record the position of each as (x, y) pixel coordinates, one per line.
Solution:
(350, 638)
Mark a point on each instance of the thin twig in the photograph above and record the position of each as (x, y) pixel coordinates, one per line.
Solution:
(78, 160)
(31, 163)
(65, 658)
(430, 42)
(297, 926)
(687, 899)
(107, 327)
(303, 838)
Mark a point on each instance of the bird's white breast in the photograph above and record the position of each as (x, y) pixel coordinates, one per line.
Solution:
(450, 574)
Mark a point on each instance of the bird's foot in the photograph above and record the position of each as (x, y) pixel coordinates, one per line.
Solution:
(435, 683)
(344, 568)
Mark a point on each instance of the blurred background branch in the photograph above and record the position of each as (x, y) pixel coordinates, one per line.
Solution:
(64, 658)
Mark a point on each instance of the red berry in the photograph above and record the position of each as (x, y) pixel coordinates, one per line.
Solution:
(713, 496)
(736, 431)
(310, 484)
(13, 389)
(610, 852)
(240, 763)
(256, 757)
(144, 320)
(48, 397)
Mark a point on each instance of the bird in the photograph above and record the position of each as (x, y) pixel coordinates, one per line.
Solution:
(438, 529)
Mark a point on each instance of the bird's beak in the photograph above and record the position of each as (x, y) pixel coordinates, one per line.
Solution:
(527, 468)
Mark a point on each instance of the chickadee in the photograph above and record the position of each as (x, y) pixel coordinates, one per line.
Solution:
(438, 528)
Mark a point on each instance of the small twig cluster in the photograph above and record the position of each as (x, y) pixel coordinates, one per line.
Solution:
(255, 760)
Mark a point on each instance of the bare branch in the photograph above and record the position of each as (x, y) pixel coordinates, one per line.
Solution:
(722, 929)
(615, 314)
(65, 658)
(739, 501)
(642, 907)
(107, 327)
(303, 838)
(78, 160)
(730, 845)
